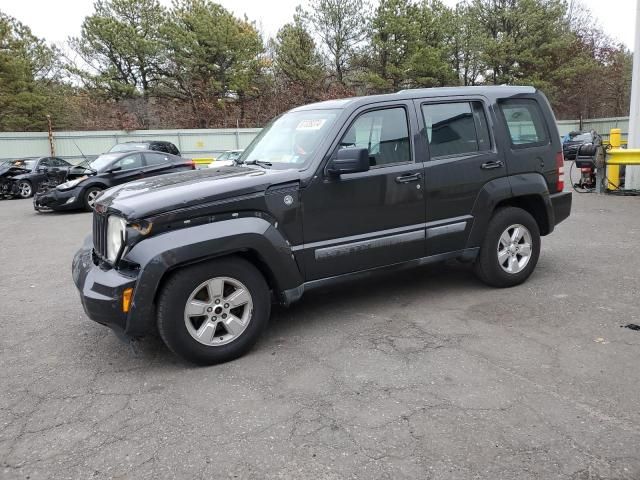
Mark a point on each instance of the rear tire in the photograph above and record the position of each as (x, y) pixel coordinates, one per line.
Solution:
(197, 317)
(510, 249)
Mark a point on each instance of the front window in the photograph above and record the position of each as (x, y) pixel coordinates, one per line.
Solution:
(27, 164)
(292, 139)
(129, 162)
(385, 133)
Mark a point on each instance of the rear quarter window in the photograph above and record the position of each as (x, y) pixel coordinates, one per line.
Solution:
(525, 122)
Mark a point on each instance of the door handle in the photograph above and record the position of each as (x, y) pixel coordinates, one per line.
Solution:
(410, 177)
(492, 164)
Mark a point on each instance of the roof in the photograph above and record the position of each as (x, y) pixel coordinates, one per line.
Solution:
(492, 91)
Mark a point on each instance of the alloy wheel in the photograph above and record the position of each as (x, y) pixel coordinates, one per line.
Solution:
(218, 311)
(91, 198)
(24, 189)
(514, 248)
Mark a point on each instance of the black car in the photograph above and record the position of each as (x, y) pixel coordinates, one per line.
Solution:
(156, 145)
(572, 142)
(87, 180)
(327, 192)
(22, 178)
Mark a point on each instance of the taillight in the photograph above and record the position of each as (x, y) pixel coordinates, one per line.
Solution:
(560, 165)
(193, 164)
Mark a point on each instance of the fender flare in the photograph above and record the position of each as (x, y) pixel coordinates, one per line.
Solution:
(507, 188)
(158, 256)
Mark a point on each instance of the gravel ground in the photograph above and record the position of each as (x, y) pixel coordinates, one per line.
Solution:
(424, 374)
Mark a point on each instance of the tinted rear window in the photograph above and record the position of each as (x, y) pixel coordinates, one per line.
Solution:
(456, 128)
(525, 122)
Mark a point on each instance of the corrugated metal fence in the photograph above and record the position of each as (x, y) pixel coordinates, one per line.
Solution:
(74, 145)
(600, 125)
(194, 143)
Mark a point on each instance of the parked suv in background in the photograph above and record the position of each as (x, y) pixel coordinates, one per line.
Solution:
(326, 192)
(572, 142)
(157, 145)
(87, 180)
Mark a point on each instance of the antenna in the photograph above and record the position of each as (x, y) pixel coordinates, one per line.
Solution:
(83, 155)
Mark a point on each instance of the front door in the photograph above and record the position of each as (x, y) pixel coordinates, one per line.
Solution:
(369, 219)
(131, 168)
(462, 159)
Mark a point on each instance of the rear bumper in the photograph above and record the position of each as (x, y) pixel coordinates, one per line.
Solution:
(561, 203)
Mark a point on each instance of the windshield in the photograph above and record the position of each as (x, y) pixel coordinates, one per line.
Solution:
(28, 164)
(127, 147)
(583, 137)
(103, 161)
(290, 140)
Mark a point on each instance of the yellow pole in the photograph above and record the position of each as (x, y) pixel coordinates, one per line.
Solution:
(613, 171)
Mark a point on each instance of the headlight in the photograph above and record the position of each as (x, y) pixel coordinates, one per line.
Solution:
(71, 183)
(115, 236)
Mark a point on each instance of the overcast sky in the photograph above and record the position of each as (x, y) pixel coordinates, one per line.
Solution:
(55, 20)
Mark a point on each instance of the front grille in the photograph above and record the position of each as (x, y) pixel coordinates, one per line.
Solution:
(100, 234)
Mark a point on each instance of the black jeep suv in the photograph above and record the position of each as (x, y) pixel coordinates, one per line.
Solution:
(325, 192)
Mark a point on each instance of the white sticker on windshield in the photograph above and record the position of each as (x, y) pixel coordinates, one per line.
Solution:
(311, 124)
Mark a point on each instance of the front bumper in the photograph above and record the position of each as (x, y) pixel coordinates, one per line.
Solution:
(55, 199)
(561, 203)
(101, 290)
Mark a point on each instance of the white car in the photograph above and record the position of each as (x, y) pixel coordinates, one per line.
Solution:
(226, 159)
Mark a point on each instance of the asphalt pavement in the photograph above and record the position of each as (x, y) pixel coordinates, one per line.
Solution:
(427, 374)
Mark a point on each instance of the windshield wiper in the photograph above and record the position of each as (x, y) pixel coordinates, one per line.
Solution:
(261, 163)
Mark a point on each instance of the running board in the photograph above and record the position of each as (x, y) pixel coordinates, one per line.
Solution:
(294, 294)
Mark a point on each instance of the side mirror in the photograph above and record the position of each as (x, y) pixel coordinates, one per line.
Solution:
(349, 160)
(114, 169)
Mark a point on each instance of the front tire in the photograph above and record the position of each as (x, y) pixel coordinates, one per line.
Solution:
(215, 311)
(25, 189)
(90, 198)
(510, 249)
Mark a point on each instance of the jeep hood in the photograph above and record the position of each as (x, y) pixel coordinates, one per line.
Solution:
(165, 193)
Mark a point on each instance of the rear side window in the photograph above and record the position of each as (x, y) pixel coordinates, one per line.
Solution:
(384, 132)
(172, 149)
(156, 158)
(456, 128)
(525, 122)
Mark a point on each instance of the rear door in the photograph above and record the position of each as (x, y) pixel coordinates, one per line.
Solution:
(461, 158)
(157, 163)
(531, 137)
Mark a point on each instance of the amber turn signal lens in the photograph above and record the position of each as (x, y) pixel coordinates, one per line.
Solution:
(126, 299)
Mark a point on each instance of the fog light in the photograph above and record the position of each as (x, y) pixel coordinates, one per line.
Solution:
(71, 200)
(126, 299)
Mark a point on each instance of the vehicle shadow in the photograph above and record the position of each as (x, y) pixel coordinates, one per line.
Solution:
(431, 281)
(318, 305)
